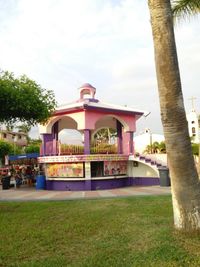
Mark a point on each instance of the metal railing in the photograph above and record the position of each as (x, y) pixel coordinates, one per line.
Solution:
(56, 148)
(103, 148)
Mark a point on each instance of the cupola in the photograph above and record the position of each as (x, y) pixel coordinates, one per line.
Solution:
(87, 91)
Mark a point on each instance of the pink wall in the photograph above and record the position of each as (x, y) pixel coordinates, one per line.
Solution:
(91, 117)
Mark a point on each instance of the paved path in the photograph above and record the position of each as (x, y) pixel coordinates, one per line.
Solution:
(25, 193)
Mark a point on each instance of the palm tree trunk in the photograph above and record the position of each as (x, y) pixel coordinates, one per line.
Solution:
(184, 178)
(198, 166)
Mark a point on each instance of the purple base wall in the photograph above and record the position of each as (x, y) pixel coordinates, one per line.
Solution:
(110, 183)
(65, 185)
(145, 181)
(100, 184)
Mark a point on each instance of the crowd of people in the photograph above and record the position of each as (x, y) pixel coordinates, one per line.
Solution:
(24, 174)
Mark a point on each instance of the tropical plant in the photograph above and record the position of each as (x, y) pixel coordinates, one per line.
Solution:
(162, 147)
(185, 9)
(185, 183)
(156, 147)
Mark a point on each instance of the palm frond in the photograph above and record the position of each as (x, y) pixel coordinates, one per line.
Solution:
(185, 9)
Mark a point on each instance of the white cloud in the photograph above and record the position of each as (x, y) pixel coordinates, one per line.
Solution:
(63, 43)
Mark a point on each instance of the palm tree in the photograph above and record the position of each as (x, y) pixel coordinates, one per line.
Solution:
(183, 9)
(184, 178)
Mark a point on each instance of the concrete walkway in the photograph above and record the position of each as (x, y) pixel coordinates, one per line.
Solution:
(25, 193)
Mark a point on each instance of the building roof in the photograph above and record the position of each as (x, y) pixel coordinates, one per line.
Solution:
(91, 103)
(13, 133)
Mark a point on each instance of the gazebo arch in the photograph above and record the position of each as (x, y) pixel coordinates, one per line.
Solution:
(110, 121)
(61, 121)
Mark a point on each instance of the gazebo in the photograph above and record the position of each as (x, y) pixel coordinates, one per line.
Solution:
(95, 163)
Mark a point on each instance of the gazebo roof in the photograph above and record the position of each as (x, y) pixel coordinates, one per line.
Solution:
(91, 103)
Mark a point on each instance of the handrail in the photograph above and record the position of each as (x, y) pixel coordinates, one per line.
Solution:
(57, 148)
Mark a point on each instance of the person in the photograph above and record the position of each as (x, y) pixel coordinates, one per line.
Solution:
(18, 179)
(113, 171)
(29, 175)
(106, 171)
(118, 170)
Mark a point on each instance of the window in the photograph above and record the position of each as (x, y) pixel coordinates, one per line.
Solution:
(193, 122)
(135, 163)
(4, 135)
(96, 168)
(193, 130)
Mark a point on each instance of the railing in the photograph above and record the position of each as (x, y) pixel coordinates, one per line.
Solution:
(56, 148)
(103, 148)
(65, 149)
(159, 160)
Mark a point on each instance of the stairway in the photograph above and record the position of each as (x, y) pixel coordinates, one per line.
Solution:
(155, 161)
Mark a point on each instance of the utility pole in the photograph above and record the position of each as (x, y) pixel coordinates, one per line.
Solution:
(192, 99)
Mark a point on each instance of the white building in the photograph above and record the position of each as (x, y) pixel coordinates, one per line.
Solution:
(193, 125)
(18, 138)
(146, 138)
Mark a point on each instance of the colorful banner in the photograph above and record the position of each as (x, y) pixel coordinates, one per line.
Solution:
(82, 158)
(67, 170)
(115, 168)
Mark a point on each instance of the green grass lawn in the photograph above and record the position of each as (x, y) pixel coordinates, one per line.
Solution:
(135, 231)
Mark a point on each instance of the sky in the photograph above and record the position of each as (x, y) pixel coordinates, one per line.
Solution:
(62, 44)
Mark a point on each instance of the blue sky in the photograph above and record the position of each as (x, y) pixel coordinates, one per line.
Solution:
(62, 44)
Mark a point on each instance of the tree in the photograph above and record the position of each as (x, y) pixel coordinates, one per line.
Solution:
(185, 8)
(5, 149)
(33, 146)
(156, 147)
(162, 147)
(24, 100)
(16, 150)
(32, 149)
(184, 178)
